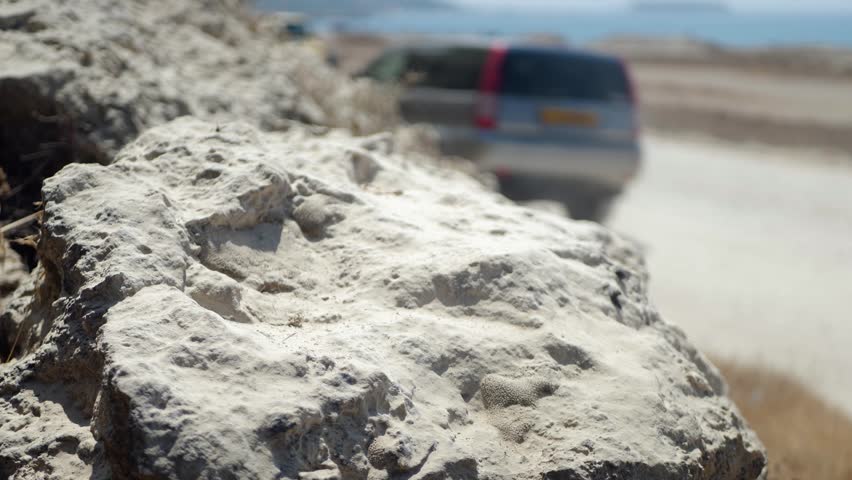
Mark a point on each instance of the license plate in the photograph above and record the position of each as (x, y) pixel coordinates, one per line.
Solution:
(573, 118)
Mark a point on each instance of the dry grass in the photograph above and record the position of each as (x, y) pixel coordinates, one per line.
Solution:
(806, 438)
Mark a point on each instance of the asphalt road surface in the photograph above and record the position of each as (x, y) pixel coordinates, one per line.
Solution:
(750, 252)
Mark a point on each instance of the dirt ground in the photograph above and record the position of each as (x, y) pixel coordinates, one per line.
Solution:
(740, 105)
(806, 438)
(788, 96)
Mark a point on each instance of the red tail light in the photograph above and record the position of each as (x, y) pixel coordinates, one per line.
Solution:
(489, 88)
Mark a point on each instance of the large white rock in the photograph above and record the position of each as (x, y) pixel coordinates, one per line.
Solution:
(225, 303)
(109, 69)
(82, 78)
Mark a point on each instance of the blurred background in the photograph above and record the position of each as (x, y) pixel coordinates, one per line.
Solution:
(717, 135)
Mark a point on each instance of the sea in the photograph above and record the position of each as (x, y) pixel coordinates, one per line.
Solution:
(732, 29)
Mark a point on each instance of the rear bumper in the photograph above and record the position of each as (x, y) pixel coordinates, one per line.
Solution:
(608, 164)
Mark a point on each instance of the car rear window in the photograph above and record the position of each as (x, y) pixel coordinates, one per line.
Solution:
(458, 68)
(561, 75)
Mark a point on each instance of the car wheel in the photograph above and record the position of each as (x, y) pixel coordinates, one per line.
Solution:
(589, 206)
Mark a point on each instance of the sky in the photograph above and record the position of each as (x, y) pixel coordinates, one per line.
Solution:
(739, 5)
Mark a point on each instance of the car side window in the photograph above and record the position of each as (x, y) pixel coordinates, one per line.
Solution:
(451, 68)
(388, 68)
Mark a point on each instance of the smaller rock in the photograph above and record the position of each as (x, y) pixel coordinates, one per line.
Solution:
(388, 453)
(315, 214)
(501, 392)
(364, 167)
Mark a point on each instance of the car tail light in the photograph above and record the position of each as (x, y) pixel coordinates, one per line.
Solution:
(489, 88)
(502, 172)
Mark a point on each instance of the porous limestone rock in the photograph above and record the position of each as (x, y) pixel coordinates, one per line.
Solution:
(115, 68)
(82, 78)
(220, 302)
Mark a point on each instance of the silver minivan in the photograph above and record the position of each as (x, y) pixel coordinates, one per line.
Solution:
(550, 121)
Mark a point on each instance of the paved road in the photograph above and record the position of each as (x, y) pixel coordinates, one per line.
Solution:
(750, 251)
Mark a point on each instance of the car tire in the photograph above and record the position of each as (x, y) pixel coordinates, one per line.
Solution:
(582, 200)
(589, 206)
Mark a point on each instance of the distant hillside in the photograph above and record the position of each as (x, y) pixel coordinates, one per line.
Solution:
(345, 7)
(680, 6)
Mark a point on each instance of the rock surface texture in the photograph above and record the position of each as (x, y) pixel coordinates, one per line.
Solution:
(82, 78)
(220, 302)
(111, 68)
